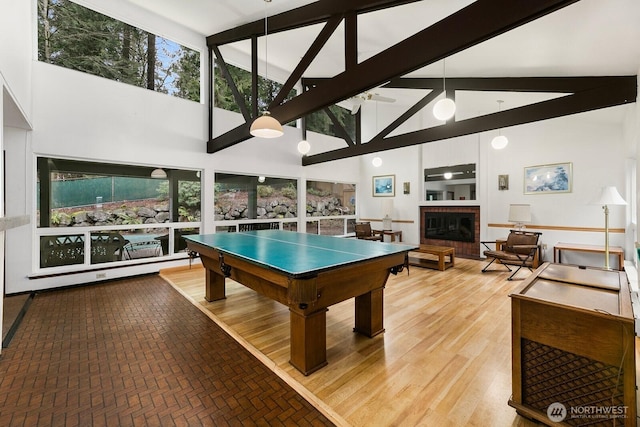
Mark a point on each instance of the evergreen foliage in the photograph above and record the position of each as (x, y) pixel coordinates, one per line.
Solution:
(267, 91)
(78, 38)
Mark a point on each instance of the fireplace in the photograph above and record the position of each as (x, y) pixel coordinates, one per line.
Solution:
(454, 226)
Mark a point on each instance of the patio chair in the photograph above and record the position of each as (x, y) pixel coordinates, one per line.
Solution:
(107, 247)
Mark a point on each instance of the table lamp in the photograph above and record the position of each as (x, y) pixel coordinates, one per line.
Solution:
(519, 214)
(608, 196)
(387, 211)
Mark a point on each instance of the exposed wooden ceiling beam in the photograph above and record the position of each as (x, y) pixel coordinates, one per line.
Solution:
(605, 92)
(454, 33)
(314, 13)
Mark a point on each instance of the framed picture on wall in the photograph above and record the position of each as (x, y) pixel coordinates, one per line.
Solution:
(384, 186)
(545, 179)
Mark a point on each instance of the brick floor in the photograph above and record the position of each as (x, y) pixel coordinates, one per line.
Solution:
(136, 353)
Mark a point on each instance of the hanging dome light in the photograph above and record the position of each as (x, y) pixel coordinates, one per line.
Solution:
(266, 126)
(158, 174)
(376, 162)
(499, 142)
(304, 147)
(444, 109)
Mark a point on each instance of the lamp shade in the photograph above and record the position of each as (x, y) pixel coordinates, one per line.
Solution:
(519, 213)
(266, 126)
(609, 196)
(158, 174)
(387, 207)
(444, 109)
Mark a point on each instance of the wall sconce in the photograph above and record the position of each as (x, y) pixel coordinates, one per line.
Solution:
(503, 182)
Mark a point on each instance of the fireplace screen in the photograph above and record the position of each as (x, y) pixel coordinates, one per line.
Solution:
(457, 226)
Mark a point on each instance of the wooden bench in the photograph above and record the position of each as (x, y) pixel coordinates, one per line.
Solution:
(440, 251)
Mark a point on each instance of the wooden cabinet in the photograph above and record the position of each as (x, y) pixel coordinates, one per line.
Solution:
(573, 347)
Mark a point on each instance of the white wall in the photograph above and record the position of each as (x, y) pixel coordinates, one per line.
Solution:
(404, 164)
(596, 150)
(16, 51)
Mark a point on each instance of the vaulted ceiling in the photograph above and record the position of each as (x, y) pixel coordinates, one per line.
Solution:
(493, 46)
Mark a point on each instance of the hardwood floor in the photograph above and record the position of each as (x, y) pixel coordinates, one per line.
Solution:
(445, 358)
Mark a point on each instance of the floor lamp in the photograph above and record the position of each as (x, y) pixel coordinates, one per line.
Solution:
(608, 197)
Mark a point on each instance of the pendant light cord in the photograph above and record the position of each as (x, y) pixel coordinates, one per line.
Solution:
(500, 109)
(266, 44)
(444, 76)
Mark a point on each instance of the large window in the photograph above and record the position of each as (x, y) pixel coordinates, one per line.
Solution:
(331, 208)
(249, 202)
(117, 212)
(338, 122)
(223, 96)
(263, 202)
(81, 39)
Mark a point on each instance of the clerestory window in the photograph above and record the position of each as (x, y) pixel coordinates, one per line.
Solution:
(78, 38)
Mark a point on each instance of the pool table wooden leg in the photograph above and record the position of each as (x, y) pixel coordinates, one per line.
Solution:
(370, 313)
(308, 340)
(214, 287)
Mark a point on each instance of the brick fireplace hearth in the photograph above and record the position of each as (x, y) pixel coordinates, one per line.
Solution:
(463, 249)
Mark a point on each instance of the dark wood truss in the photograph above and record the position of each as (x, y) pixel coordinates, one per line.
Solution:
(454, 33)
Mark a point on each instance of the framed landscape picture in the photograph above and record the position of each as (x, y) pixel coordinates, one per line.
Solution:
(384, 186)
(545, 179)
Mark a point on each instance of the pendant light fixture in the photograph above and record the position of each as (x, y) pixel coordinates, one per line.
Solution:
(158, 174)
(266, 126)
(304, 147)
(500, 141)
(445, 108)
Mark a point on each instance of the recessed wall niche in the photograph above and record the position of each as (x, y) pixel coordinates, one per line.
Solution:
(456, 182)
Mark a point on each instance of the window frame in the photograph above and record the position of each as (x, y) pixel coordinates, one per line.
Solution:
(175, 228)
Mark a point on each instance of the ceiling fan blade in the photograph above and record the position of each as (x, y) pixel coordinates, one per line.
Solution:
(376, 97)
(356, 102)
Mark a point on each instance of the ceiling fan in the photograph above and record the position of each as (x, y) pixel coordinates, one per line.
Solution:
(358, 100)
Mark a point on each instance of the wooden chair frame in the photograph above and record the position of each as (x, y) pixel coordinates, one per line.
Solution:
(364, 231)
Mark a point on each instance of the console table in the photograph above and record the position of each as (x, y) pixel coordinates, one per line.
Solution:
(568, 324)
(577, 247)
